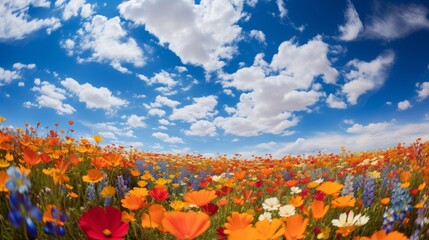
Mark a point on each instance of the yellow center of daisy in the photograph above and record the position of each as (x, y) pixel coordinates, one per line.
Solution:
(107, 232)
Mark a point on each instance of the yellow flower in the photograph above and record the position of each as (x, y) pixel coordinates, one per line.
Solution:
(313, 184)
(178, 205)
(108, 191)
(139, 191)
(324, 234)
(405, 185)
(142, 183)
(419, 205)
(97, 139)
(128, 217)
(422, 186)
(9, 157)
(4, 163)
(162, 181)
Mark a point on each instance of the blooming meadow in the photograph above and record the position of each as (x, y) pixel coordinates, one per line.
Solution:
(59, 186)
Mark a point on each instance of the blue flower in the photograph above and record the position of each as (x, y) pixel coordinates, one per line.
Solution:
(17, 181)
(54, 226)
(22, 211)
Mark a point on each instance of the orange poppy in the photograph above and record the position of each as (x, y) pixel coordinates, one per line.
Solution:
(330, 188)
(296, 201)
(319, 209)
(249, 233)
(200, 198)
(31, 157)
(270, 230)
(93, 176)
(237, 221)
(186, 225)
(295, 227)
(239, 175)
(154, 218)
(133, 202)
(128, 217)
(385, 201)
(382, 235)
(343, 202)
(3, 178)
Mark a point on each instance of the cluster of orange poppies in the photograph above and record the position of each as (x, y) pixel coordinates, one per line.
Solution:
(126, 193)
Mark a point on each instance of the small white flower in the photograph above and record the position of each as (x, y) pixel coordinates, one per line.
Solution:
(295, 190)
(287, 211)
(319, 181)
(271, 204)
(265, 215)
(362, 220)
(216, 178)
(345, 220)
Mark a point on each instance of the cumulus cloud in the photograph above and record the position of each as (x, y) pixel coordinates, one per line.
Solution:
(335, 102)
(203, 107)
(135, 121)
(166, 138)
(258, 35)
(106, 41)
(201, 34)
(73, 7)
(163, 101)
(273, 92)
(397, 21)
(156, 112)
(404, 105)
(422, 90)
(366, 76)
(110, 129)
(356, 138)
(7, 76)
(50, 96)
(93, 97)
(162, 78)
(202, 128)
(353, 25)
(16, 22)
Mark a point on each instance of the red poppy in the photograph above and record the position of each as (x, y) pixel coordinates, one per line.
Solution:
(210, 208)
(100, 223)
(159, 192)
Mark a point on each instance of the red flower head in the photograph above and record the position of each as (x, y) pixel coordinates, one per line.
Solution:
(210, 209)
(159, 192)
(100, 223)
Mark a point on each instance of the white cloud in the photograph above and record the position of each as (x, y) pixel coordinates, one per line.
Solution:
(258, 35)
(37, 81)
(21, 84)
(422, 91)
(397, 21)
(156, 112)
(353, 26)
(404, 105)
(50, 96)
(106, 41)
(20, 66)
(135, 121)
(108, 135)
(16, 22)
(282, 8)
(366, 76)
(93, 97)
(202, 107)
(72, 9)
(201, 34)
(359, 138)
(165, 138)
(7, 76)
(110, 129)
(349, 121)
(272, 92)
(165, 122)
(164, 101)
(202, 128)
(335, 102)
(162, 78)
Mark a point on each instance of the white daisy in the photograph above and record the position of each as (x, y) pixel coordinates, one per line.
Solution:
(346, 220)
(287, 211)
(295, 190)
(265, 215)
(271, 204)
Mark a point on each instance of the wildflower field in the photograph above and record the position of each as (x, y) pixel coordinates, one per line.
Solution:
(61, 186)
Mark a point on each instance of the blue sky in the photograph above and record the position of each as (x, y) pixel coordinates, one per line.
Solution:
(224, 76)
